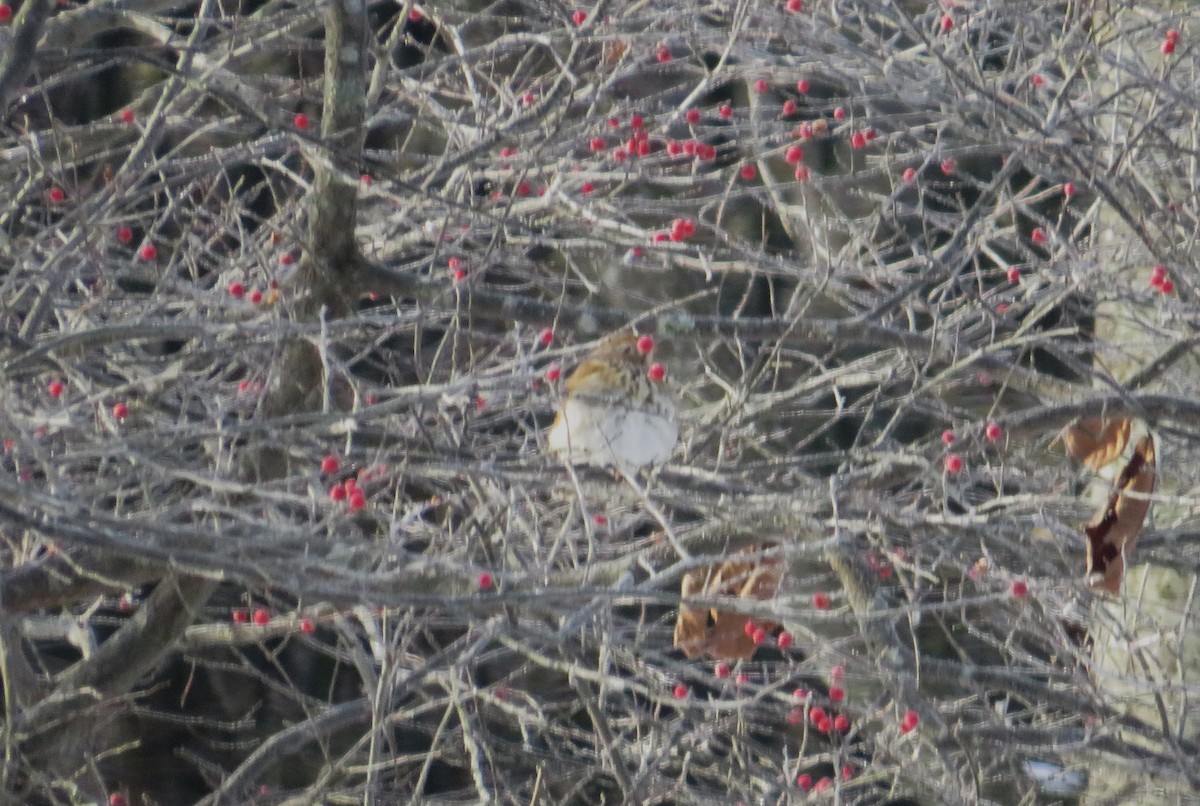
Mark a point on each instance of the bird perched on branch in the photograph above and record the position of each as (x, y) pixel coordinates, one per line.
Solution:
(616, 410)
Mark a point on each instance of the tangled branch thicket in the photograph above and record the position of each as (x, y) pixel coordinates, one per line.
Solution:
(228, 255)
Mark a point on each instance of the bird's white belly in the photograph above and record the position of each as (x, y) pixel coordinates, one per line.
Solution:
(613, 435)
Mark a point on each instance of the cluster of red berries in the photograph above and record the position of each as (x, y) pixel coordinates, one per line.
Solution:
(348, 490)
(1159, 279)
(1169, 41)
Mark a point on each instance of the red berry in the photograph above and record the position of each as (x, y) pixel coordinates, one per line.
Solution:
(748, 172)
(680, 691)
(256, 296)
(240, 616)
(795, 716)
(1167, 47)
(148, 252)
(619, 154)
(1014, 275)
(706, 152)
(949, 165)
(821, 601)
(841, 723)
(1166, 286)
(816, 714)
(57, 195)
(823, 784)
(307, 626)
(848, 769)
(366, 179)
(1172, 35)
(858, 141)
(761, 85)
(579, 17)
(330, 465)
(909, 175)
(663, 54)
(356, 500)
(800, 694)
(656, 372)
(801, 173)
(725, 111)
(546, 337)
(804, 781)
(350, 484)
(261, 616)
(837, 693)
(793, 155)
(597, 144)
(6, 12)
(749, 627)
(1038, 235)
(1019, 588)
(120, 411)
(910, 721)
(692, 116)
(236, 289)
(794, 6)
(116, 799)
(553, 373)
(337, 493)
(586, 188)
(301, 121)
(947, 22)
(1157, 275)
(485, 581)
(1068, 189)
(789, 108)
(947, 437)
(802, 86)
(721, 670)
(55, 389)
(124, 234)
(636, 121)
(600, 519)
(127, 115)
(415, 15)
(953, 463)
(825, 725)
(1037, 79)
(839, 113)
(742, 678)
(286, 259)
(758, 636)
(645, 344)
(837, 672)
(784, 640)
(993, 432)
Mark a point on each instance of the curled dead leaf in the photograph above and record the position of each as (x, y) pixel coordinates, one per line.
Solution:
(1097, 442)
(1114, 529)
(721, 634)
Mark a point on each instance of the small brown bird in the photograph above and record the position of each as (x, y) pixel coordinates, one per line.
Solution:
(616, 411)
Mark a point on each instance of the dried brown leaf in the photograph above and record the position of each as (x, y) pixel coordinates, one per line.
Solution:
(1114, 529)
(1096, 442)
(721, 634)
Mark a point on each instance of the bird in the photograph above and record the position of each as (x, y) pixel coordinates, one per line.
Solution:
(616, 411)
